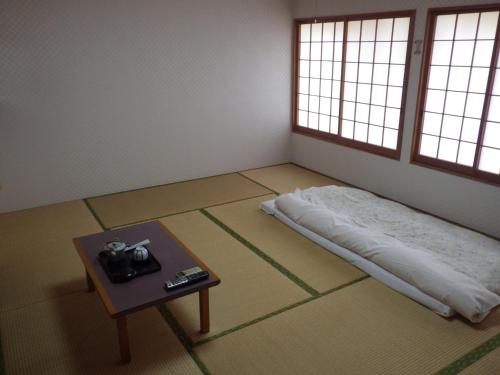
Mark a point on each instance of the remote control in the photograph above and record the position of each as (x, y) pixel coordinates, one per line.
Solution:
(186, 280)
(189, 272)
(176, 283)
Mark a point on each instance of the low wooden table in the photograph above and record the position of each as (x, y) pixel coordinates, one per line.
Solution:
(147, 290)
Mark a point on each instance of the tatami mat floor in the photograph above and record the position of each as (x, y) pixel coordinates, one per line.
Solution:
(251, 287)
(285, 306)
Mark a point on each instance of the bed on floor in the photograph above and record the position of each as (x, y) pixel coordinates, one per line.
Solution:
(445, 267)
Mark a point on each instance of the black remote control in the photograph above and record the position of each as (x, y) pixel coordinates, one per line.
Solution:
(186, 280)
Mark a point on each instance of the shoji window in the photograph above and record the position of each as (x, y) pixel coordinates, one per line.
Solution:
(458, 120)
(351, 77)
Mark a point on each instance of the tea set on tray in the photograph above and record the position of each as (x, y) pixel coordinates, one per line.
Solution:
(123, 263)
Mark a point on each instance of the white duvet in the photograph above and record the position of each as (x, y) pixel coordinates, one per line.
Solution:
(458, 267)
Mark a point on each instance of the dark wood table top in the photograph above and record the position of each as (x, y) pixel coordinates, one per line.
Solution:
(147, 290)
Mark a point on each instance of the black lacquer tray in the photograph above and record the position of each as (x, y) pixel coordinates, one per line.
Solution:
(124, 267)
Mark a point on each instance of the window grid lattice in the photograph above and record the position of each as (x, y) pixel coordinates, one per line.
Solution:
(461, 85)
(349, 82)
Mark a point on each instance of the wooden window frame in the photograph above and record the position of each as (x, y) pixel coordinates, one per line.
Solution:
(337, 138)
(434, 163)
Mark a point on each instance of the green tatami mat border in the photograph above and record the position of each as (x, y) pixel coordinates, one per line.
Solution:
(327, 176)
(309, 289)
(258, 183)
(279, 311)
(192, 179)
(94, 214)
(158, 185)
(183, 337)
(254, 321)
(185, 212)
(471, 357)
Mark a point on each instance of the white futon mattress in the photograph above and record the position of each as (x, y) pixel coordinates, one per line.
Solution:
(453, 268)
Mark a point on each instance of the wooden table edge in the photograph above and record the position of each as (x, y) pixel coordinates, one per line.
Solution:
(161, 301)
(189, 252)
(90, 270)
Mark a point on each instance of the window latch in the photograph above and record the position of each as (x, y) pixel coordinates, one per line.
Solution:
(418, 47)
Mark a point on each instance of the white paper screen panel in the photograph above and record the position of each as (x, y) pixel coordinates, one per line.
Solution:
(356, 93)
(456, 95)
(374, 79)
(320, 67)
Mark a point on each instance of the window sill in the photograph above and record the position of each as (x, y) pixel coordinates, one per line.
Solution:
(333, 138)
(456, 169)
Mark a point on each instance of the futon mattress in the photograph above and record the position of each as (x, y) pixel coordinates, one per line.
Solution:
(457, 267)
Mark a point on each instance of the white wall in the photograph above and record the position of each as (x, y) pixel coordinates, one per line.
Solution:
(99, 96)
(465, 201)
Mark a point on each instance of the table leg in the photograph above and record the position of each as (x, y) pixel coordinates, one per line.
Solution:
(90, 283)
(121, 324)
(204, 311)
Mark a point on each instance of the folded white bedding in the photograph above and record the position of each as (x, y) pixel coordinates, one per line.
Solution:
(379, 230)
(364, 264)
